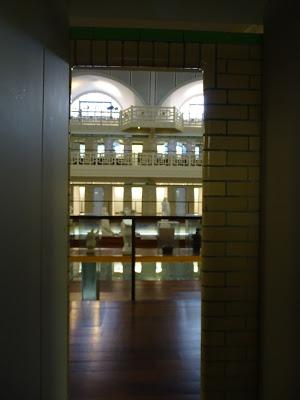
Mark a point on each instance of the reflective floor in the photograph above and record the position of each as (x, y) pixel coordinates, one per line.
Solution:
(147, 350)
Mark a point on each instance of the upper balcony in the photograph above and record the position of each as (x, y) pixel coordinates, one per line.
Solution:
(133, 119)
(151, 117)
(147, 164)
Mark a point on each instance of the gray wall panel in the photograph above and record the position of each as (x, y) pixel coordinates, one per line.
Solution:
(33, 235)
(280, 294)
(21, 98)
(55, 226)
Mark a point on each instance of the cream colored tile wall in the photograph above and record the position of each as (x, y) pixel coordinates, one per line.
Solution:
(230, 221)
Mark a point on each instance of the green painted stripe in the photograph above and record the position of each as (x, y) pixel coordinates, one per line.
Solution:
(163, 35)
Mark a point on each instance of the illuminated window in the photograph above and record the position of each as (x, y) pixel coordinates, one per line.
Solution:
(82, 150)
(100, 149)
(137, 148)
(137, 195)
(193, 109)
(118, 147)
(162, 148)
(161, 193)
(198, 200)
(118, 267)
(78, 200)
(95, 105)
(118, 198)
(197, 150)
(180, 148)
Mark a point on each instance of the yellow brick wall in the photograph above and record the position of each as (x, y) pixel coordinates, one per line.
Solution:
(231, 172)
(230, 221)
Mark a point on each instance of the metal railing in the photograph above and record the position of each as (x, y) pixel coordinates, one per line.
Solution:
(135, 159)
(134, 207)
(152, 116)
(95, 118)
(144, 116)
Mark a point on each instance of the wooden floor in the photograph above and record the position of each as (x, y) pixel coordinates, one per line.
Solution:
(142, 351)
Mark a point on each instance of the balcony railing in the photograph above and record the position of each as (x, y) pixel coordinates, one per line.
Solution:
(151, 117)
(93, 118)
(135, 117)
(133, 159)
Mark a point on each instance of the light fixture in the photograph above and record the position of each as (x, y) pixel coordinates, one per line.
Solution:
(158, 268)
(195, 266)
(138, 267)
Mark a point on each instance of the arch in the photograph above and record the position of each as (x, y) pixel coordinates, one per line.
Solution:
(121, 93)
(181, 94)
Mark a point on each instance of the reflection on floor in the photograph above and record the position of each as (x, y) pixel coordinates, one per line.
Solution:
(142, 351)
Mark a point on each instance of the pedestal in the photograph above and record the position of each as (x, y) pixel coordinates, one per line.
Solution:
(90, 287)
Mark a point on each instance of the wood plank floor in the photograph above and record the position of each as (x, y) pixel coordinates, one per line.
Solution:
(142, 351)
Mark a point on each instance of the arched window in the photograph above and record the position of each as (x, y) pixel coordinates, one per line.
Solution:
(180, 148)
(193, 109)
(118, 147)
(95, 105)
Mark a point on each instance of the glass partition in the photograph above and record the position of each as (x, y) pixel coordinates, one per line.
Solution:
(128, 251)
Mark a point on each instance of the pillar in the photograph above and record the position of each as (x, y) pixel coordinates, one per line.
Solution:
(89, 199)
(90, 144)
(230, 231)
(108, 198)
(149, 200)
(127, 146)
(172, 146)
(108, 144)
(172, 199)
(127, 197)
(190, 199)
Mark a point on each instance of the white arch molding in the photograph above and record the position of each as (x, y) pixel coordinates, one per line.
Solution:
(123, 95)
(183, 93)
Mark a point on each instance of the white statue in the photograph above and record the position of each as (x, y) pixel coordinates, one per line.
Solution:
(165, 205)
(126, 211)
(126, 225)
(91, 240)
(105, 224)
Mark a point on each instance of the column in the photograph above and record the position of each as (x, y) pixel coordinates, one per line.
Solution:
(172, 199)
(127, 146)
(127, 197)
(108, 198)
(190, 147)
(172, 146)
(149, 200)
(108, 144)
(149, 144)
(89, 199)
(230, 230)
(90, 144)
(190, 199)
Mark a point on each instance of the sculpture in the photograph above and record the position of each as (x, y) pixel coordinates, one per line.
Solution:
(126, 225)
(105, 224)
(91, 240)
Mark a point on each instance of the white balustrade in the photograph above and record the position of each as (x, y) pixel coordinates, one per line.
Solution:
(135, 116)
(133, 159)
